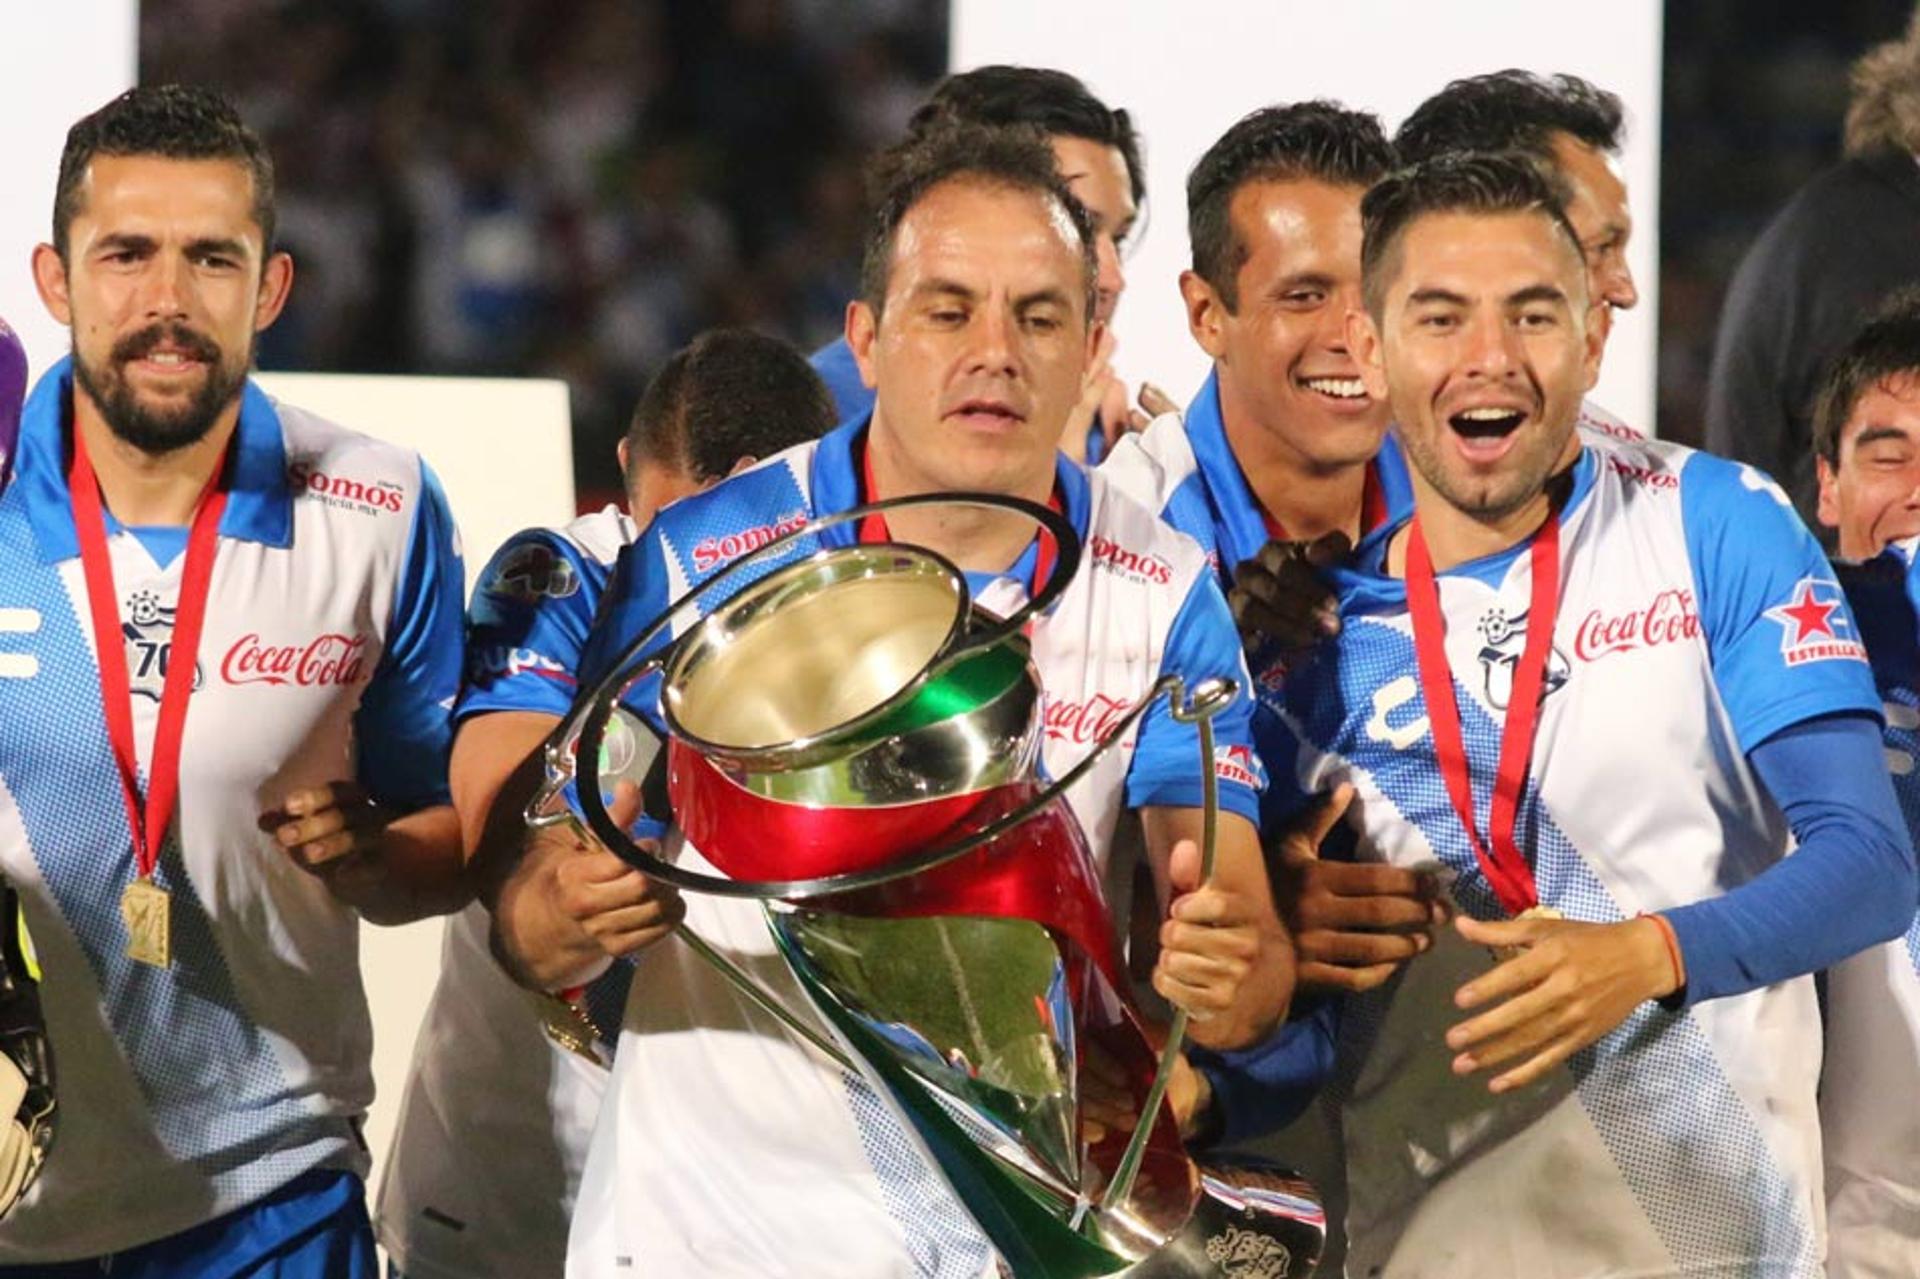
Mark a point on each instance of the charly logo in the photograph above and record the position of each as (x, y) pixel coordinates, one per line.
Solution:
(1246, 1254)
(148, 627)
(1814, 627)
(369, 497)
(532, 573)
(1505, 639)
(712, 552)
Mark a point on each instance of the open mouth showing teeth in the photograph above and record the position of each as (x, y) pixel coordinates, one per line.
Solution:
(1341, 388)
(1488, 423)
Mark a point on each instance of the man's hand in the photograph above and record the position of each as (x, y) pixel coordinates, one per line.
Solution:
(1103, 403)
(1106, 1103)
(1570, 984)
(614, 904)
(1353, 923)
(392, 868)
(1279, 595)
(1209, 944)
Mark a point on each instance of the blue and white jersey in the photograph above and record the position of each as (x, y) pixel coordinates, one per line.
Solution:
(331, 650)
(494, 1125)
(728, 1146)
(852, 397)
(1697, 619)
(1870, 1093)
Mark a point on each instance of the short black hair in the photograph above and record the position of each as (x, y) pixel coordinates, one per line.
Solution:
(1512, 110)
(1454, 182)
(1887, 347)
(728, 394)
(1057, 104)
(1015, 157)
(175, 121)
(1318, 140)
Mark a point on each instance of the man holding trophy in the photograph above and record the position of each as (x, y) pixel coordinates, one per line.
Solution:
(733, 1130)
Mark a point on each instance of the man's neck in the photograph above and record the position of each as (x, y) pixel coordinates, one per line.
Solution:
(1455, 537)
(1306, 499)
(144, 489)
(978, 539)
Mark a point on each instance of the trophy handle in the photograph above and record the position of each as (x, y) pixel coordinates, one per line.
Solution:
(1209, 698)
(560, 755)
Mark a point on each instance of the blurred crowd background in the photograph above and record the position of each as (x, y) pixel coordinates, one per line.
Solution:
(574, 189)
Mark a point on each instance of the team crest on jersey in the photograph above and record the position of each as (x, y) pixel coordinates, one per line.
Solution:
(1505, 638)
(148, 627)
(1814, 626)
(532, 573)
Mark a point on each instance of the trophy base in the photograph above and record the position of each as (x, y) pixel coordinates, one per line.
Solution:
(1250, 1223)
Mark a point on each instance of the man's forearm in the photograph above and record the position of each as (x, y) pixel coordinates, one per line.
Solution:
(421, 869)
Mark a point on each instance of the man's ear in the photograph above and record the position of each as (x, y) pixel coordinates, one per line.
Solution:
(746, 462)
(621, 453)
(276, 281)
(50, 281)
(1828, 510)
(1599, 324)
(1206, 313)
(1363, 342)
(863, 329)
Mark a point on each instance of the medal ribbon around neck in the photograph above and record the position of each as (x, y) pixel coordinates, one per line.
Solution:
(149, 826)
(1500, 858)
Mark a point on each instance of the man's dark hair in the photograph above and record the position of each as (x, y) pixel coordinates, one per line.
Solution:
(174, 121)
(728, 394)
(1320, 140)
(1015, 158)
(1455, 182)
(1512, 110)
(1055, 103)
(1887, 347)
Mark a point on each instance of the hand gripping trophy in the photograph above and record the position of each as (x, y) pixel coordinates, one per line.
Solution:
(851, 741)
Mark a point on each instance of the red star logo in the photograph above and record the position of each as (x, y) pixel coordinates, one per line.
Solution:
(1808, 616)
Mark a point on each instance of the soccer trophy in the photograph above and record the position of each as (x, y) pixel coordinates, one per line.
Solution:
(854, 743)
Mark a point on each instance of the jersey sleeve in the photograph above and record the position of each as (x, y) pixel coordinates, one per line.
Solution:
(1201, 644)
(404, 726)
(527, 626)
(1784, 645)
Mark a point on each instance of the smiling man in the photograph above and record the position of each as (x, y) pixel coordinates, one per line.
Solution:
(221, 605)
(1866, 438)
(726, 1140)
(1593, 690)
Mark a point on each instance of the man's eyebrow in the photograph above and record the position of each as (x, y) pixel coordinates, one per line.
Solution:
(126, 241)
(1303, 280)
(1536, 293)
(1039, 297)
(941, 288)
(1874, 434)
(1436, 296)
(225, 246)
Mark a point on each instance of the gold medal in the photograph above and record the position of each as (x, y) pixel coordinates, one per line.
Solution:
(1502, 954)
(568, 1025)
(147, 909)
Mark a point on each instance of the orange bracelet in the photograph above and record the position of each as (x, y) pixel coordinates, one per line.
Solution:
(1673, 948)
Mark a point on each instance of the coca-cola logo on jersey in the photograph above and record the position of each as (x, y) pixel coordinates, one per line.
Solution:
(331, 660)
(344, 490)
(1084, 723)
(1669, 619)
(1141, 566)
(712, 552)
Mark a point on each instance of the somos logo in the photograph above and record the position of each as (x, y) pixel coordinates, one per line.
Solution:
(331, 660)
(1109, 554)
(712, 552)
(344, 491)
(1084, 723)
(1669, 619)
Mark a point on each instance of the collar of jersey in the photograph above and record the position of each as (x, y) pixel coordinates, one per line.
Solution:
(1240, 526)
(835, 481)
(259, 508)
(1364, 586)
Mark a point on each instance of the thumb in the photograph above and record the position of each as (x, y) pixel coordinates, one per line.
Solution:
(627, 806)
(1304, 845)
(1183, 867)
(1500, 932)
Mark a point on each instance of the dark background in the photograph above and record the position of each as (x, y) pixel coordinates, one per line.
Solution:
(575, 189)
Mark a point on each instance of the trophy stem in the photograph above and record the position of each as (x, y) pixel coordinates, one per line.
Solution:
(1128, 1168)
(758, 994)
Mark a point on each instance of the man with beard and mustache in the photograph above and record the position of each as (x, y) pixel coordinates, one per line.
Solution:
(1595, 689)
(223, 725)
